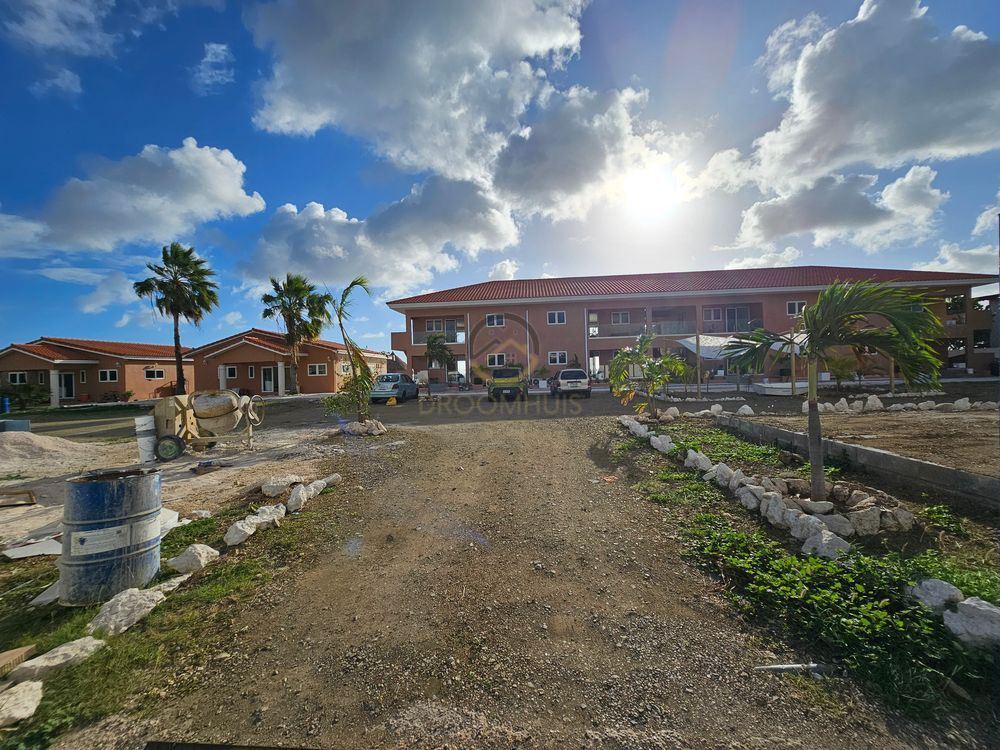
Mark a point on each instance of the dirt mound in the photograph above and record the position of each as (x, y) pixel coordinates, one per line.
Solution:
(27, 445)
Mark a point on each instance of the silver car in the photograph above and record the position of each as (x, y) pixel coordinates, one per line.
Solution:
(391, 384)
(570, 381)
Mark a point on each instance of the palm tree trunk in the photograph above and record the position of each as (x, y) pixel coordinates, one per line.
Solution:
(178, 357)
(354, 370)
(294, 385)
(818, 489)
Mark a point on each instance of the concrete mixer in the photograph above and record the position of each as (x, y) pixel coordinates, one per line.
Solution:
(203, 419)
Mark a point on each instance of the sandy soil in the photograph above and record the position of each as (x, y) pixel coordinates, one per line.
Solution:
(485, 589)
(965, 440)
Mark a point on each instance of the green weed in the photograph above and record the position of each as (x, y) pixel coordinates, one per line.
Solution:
(980, 581)
(941, 517)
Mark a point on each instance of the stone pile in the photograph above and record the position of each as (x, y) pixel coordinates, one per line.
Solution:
(369, 427)
(874, 403)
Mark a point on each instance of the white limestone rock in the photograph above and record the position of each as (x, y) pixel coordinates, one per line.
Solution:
(198, 515)
(125, 610)
(333, 479)
(897, 519)
(826, 544)
(19, 702)
(315, 487)
(805, 407)
(723, 474)
(239, 532)
(975, 622)
(962, 404)
(776, 508)
(816, 508)
(298, 498)
(715, 409)
(673, 411)
(269, 514)
(856, 499)
(805, 526)
(709, 475)
(697, 460)
(800, 487)
(278, 485)
(873, 403)
(744, 411)
(944, 407)
(865, 522)
(65, 655)
(780, 485)
(838, 524)
(935, 593)
(748, 498)
(897, 407)
(736, 480)
(857, 406)
(639, 430)
(171, 584)
(842, 407)
(925, 405)
(193, 559)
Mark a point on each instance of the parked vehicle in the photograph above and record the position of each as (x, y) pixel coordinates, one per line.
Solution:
(569, 382)
(391, 384)
(507, 383)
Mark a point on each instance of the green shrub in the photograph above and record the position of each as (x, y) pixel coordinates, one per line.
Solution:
(855, 610)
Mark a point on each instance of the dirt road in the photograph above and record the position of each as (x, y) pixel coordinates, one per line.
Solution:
(488, 589)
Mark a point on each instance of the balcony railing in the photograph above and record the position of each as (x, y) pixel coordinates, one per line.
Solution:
(604, 330)
(673, 327)
(729, 326)
(450, 337)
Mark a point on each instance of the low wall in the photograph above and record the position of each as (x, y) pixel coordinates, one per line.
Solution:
(979, 488)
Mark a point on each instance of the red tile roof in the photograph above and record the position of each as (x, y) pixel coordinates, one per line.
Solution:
(684, 281)
(45, 351)
(274, 341)
(115, 348)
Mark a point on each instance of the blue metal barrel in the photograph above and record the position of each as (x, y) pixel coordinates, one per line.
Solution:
(111, 534)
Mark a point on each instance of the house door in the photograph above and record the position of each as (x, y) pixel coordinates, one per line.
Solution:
(66, 389)
(737, 319)
(267, 378)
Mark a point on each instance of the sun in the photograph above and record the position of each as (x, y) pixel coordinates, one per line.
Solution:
(648, 195)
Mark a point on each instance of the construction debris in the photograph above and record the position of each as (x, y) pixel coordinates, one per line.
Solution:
(124, 610)
(193, 559)
(65, 655)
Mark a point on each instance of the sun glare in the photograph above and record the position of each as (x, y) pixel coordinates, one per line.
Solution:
(648, 195)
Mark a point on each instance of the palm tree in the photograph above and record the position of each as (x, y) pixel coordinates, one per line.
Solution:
(361, 374)
(437, 350)
(841, 318)
(302, 309)
(180, 287)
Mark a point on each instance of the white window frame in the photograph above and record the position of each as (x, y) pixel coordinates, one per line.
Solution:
(553, 317)
(17, 378)
(83, 376)
(624, 317)
(41, 377)
(316, 370)
(345, 368)
(232, 372)
(711, 314)
(430, 327)
(558, 358)
(799, 306)
(154, 370)
(105, 376)
(491, 321)
(497, 359)
(250, 372)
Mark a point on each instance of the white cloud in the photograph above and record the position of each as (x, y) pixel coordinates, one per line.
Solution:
(839, 207)
(884, 88)
(62, 81)
(987, 220)
(399, 247)
(432, 86)
(156, 196)
(73, 27)
(505, 270)
(112, 288)
(952, 257)
(124, 320)
(784, 47)
(767, 259)
(215, 69)
(233, 319)
(71, 275)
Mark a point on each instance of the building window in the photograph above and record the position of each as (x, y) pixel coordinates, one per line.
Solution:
(710, 314)
(795, 307)
(154, 374)
(17, 378)
(250, 371)
(496, 360)
(981, 338)
(618, 318)
(345, 368)
(317, 370)
(83, 376)
(557, 317)
(41, 377)
(494, 320)
(955, 304)
(557, 358)
(231, 372)
(107, 376)
(433, 326)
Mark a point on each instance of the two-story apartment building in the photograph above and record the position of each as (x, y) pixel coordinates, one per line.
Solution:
(546, 324)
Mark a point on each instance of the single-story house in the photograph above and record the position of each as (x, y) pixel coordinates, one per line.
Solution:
(80, 370)
(259, 362)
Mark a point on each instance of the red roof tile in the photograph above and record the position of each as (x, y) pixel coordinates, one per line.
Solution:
(115, 348)
(275, 341)
(684, 281)
(46, 351)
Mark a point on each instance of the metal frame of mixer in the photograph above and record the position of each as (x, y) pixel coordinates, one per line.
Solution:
(174, 417)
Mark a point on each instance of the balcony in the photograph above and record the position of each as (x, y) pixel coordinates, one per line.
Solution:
(673, 327)
(721, 327)
(608, 330)
(450, 337)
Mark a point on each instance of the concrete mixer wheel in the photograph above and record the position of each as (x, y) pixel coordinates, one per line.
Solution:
(168, 448)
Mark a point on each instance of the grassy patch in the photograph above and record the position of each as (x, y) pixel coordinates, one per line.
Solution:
(627, 446)
(723, 446)
(941, 517)
(856, 612)
(979, 580)
(12, 477)
(182, 631)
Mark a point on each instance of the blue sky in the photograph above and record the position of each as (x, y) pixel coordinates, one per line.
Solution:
(435, 144)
